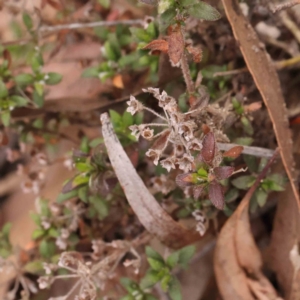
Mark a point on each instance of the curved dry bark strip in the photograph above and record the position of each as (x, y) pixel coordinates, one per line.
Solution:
(148, 210)
(267, 82)
(237, 260)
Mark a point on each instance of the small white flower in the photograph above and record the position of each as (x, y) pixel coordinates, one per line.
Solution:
(154, 154)
(134, 105)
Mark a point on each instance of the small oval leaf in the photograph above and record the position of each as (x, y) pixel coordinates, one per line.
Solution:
(209, 146)
(216, 196)
(223, 172)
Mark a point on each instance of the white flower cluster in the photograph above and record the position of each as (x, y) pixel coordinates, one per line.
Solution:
(178, 130)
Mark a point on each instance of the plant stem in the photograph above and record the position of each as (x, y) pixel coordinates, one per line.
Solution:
(187, 75)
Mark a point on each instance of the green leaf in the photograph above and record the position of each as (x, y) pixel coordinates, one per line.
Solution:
(243, 182)
(251, 162)
(39, 88)
(66, 196)
(84, 145)
(164, 5)
(156, 265)
(175, 289)
(110, 52)
(53, 232)
(5, 117)
(115, 117)
(247, 125)
(53, 78)
(278, 182)
(37, 233)
(128, 284)
(83, 193)
(3, 90)
(185, 254)
(261, 197)
(27, 21)
(153, 254)
(95, 142)
(34, 267)
(188, 2)
(19, 101)
(167, 19)
(231, 195)
(24, 79)
(100, 205)
(152, 30)
(127, 119)
(172, 259)
(150, 279)
(141, 35)
(244, 141)
(37, 99)
(150, 297)
(90, 72)
(165, 282)
(38, 123)
(203, 11)
(104, 3)
(6, 229)
(47, 248)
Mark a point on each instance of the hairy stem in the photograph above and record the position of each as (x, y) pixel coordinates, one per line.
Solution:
(187, 75)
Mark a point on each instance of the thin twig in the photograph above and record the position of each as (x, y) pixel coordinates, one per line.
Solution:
(90, 25)
(187, 75)
(278, 64)
(255, 151)
(280, 7)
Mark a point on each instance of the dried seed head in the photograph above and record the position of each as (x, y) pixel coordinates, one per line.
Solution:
(195, 145)
(154, 154)
(147, 133)
(169, 163)
(134, 105)
(44, 282)
(186, 162)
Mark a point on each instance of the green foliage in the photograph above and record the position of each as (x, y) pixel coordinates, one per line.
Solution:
(5, 246)
(161, 270)
(121, 125)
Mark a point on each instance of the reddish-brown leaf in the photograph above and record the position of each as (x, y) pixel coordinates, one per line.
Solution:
(197, 190)
(216, 195)
(158, 45)
(3, 139)
(196, 53)
(185, 180)
(176, 44)
(209, 146)
(234, 152)
(223, 172)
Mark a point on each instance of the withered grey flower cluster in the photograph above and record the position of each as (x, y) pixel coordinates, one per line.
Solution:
(178, 130)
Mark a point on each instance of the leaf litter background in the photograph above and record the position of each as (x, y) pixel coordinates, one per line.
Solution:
(239, 256)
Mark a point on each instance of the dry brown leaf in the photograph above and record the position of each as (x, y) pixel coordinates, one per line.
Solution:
(150, 213)
(285, 234)
(266, 79)
(196, 53)
(158, 45)
(234, 152)
(118, 81)
(176, 44)
(237, 259)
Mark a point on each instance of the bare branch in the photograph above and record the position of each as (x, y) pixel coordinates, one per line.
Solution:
(90, 25)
